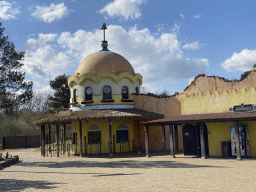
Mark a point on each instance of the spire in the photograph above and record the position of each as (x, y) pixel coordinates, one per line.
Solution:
(104, 43)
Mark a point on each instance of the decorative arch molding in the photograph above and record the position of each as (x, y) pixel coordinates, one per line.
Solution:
(97, 78)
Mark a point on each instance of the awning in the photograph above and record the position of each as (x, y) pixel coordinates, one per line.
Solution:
(68, 117)
(204, 118)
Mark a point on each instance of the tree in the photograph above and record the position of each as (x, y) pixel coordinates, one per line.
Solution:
(62, 93)
(39, 102)
(13, 89)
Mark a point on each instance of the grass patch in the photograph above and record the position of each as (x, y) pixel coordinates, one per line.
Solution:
(37, 150)
(5, 150)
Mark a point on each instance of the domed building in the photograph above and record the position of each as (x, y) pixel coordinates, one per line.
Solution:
(102, 113)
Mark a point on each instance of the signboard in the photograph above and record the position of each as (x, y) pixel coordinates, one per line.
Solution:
(242, 108)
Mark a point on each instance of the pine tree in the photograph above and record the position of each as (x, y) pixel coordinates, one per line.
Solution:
(13, 89)
(62, 93)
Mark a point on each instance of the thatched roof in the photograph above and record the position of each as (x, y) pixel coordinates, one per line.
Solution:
(99, 114)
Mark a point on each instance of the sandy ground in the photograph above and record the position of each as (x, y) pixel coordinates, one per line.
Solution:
(126, 173)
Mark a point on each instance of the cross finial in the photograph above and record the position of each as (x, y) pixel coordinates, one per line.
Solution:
(104, 27)
(104, 43)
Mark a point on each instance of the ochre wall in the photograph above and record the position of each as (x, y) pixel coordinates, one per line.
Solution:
(169, 106)
(203, 83)
(217, 102)
(104, 127)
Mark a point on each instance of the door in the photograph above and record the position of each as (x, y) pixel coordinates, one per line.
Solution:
(189, 140)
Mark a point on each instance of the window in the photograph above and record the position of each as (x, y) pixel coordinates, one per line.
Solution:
(137, 90)
(124, 93)
(122, 133)
(88, 93)
(94, 134)
(107, 93)
(74, 95)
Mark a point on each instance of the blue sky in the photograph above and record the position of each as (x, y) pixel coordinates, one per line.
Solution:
(167, 42)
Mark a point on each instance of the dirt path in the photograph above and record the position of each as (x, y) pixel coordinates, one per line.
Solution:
(127, 173)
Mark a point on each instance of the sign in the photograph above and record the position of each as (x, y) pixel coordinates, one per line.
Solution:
(243, 108)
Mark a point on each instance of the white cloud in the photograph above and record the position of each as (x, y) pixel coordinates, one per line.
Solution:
(192, 46)
(42, 61)
(124, 8)
(51, 13)
(155, 58)
(7, 12)
(242, 61)
(197, 16)
(182, 16)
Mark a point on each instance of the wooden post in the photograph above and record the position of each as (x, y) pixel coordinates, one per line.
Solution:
(171, 142)
(64, 138)
(238, 144)
(139, 140)
(81, 141)
(163, 139)
(50, 150)
(110, 139)
(175, 137)
(43, 140)
(202, 138)
(146, 141)
(57, 140)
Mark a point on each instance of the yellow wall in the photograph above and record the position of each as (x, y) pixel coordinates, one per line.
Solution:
(218, 132)
(218, 102)
(221, 132)
(104, 127)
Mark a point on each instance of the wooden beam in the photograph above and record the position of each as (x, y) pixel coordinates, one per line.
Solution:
(163, 139)
(110, 138)
(64, 138)
(81, 141)
(238, 144)
(43, 140)
(172, 153)
(175, 137)
(139, 140)
(50, 150)
(146, 141)
(57, 140)
(202, 139)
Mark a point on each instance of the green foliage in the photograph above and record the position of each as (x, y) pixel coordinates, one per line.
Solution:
(13, 90)
(62, 93)
(21, 122)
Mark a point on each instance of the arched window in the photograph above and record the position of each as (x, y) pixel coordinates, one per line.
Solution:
(122, 133)
(125, 92)
(74, 95)
(137, 90)
(88, 93)
(94, 134)
(107, 93)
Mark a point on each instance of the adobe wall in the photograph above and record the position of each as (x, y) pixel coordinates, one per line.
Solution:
(169, 106)
(204, 84)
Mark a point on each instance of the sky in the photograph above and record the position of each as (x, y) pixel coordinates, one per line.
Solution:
(167, 42)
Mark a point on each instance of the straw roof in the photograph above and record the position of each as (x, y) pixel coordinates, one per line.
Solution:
(68, 117)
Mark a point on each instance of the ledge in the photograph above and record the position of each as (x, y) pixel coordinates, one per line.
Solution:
(9, 162)
(86, 102)
(127, 100)
(107, 100)
(73, 103)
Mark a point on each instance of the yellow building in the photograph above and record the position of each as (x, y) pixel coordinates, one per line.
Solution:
(216, 123)
(102, 113)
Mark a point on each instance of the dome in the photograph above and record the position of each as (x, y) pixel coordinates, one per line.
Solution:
(104, 61)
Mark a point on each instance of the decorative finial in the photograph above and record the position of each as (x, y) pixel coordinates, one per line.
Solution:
(104, 43)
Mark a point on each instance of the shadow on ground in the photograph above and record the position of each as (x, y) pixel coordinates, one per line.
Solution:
(19, 185)
(133, 164)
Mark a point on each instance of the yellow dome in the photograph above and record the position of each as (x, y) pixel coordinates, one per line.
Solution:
(104, 61)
